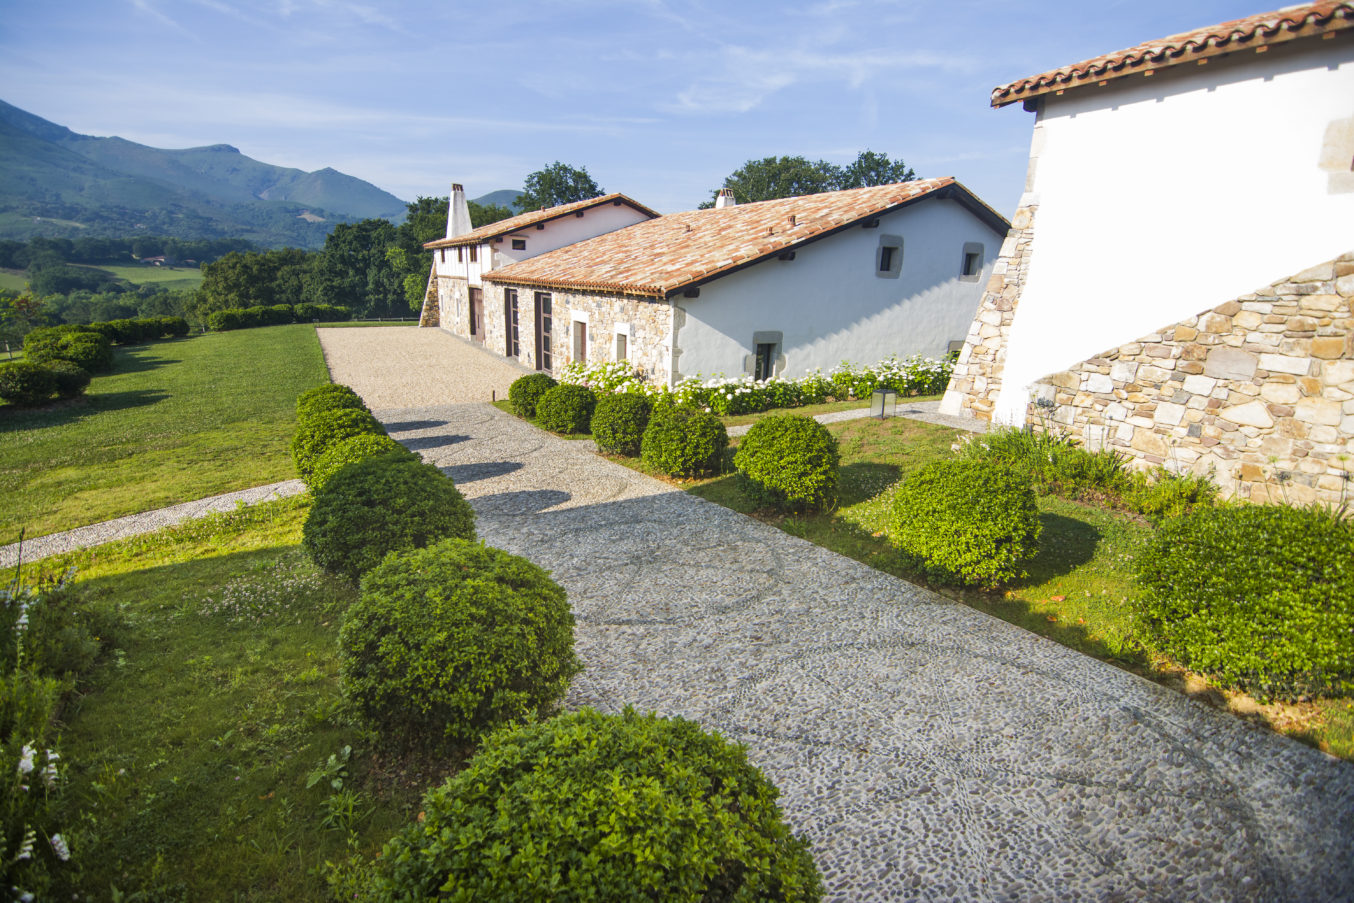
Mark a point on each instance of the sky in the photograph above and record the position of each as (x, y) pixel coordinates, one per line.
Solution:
(660, 99)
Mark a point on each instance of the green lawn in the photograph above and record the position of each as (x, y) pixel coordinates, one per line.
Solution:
(167, 277)
(177, 420)
(188, 749)
(13, 280)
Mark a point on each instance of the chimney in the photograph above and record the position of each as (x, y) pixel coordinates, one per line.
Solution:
(458, 213)
(724, 199)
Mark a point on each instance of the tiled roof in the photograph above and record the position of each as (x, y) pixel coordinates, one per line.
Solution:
(531, 218)
(661, 256)
(1255, 33)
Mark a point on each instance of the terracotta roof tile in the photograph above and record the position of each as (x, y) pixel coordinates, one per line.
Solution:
(531, 218)
(661, 256)
(1259, 31)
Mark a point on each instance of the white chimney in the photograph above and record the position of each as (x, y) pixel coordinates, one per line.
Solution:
(724, 199)
(458, 213)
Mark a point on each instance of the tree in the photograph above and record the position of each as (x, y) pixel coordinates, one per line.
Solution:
(786, 177)
(558, 183)
(250, 279)
(870, 168)
(484, 214)
(353, 270)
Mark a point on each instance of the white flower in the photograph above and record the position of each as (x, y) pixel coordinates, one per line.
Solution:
(26, 759)
(59, 847)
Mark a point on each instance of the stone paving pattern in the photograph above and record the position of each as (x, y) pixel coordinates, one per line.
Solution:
(928, 751)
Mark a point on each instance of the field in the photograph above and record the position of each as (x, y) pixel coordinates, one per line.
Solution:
(167, 277)
(177, 420)
(13, 280)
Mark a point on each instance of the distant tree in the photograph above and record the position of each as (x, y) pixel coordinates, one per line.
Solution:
(484, 214)
(786, 177)
(558, 183)
(248, 279)
(353, 270)
(870, 168)
(19, 314)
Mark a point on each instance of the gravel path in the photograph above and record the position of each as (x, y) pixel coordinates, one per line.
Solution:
(394, 366)
(146, 522)
(929, 752)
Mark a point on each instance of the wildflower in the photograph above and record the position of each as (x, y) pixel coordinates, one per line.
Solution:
(26, 848)
(26, 759)
(60, 848)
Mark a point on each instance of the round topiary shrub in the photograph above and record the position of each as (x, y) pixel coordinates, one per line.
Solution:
(1259, 596)
(966, 522)
(526, 391)
(382, 504)
(683, 442)
(618, 422)
(350, 451)
(566, 408)
(588, 807)
(26, 384)
(71, 379)
(327, 398)
(448, 642)
(316, 435)
(788, 462)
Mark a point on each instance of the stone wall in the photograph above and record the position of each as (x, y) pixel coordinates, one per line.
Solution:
(977, 374)
(1259, 391)
(649, 322)
(453, 298)
(431, 313)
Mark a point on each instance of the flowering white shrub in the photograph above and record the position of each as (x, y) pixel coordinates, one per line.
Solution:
(744, 395)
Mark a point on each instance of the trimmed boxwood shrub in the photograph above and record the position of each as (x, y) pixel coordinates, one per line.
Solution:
(91, 351)
(174, 326)
(228, 319)
(327, 398)
(683, 442)
(378, 505)
(966, 522)
(325, 313)
(526, 391)
(71, 379)
(566, 408)
(317, 434)
(789, 462)
(1258, 596)
(618, 422)
(590, 807)
(449, 642)
(350, 451)
(25, 383)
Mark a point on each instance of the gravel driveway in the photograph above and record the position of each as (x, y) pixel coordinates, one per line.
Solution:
(927, 751)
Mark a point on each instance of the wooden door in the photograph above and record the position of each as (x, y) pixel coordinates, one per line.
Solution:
(477, 314)
(543, 330)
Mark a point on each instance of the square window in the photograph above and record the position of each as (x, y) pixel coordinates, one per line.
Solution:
(889, 257)
(519, 244)
(972, 262)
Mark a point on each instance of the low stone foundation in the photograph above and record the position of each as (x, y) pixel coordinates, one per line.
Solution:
(1259, 391)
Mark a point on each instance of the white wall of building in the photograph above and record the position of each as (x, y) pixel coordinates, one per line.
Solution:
(1161, 197)
(831, 305)
(556, 234)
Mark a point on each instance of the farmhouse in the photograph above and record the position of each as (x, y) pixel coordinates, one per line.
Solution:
(1178, 280)
(771, 288)
(454, 299)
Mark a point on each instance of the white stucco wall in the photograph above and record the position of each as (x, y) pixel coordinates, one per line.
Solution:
(1161, 197)
(830, 304)
(556, 234)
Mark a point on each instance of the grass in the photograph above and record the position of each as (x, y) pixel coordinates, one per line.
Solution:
(166, 277)
(13, 280)
(176, 421)
(190, 743)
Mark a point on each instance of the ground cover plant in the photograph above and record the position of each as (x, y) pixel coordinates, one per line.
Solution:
(176, 421)
(449, 642)
(601, 807)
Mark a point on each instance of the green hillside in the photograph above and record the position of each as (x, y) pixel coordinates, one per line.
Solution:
(59, 183)
(504, 197)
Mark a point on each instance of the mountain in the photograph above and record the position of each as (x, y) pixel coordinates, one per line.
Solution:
(504, 197)
(56, 182)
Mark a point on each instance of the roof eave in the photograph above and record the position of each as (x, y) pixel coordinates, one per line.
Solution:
(464, 241)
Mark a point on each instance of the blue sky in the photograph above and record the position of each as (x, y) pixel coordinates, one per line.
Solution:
(657, 98)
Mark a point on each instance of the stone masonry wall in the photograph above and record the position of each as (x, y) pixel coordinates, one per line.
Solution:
(649, 346)
(977, 374)
(431, 313)
(1259, 390)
